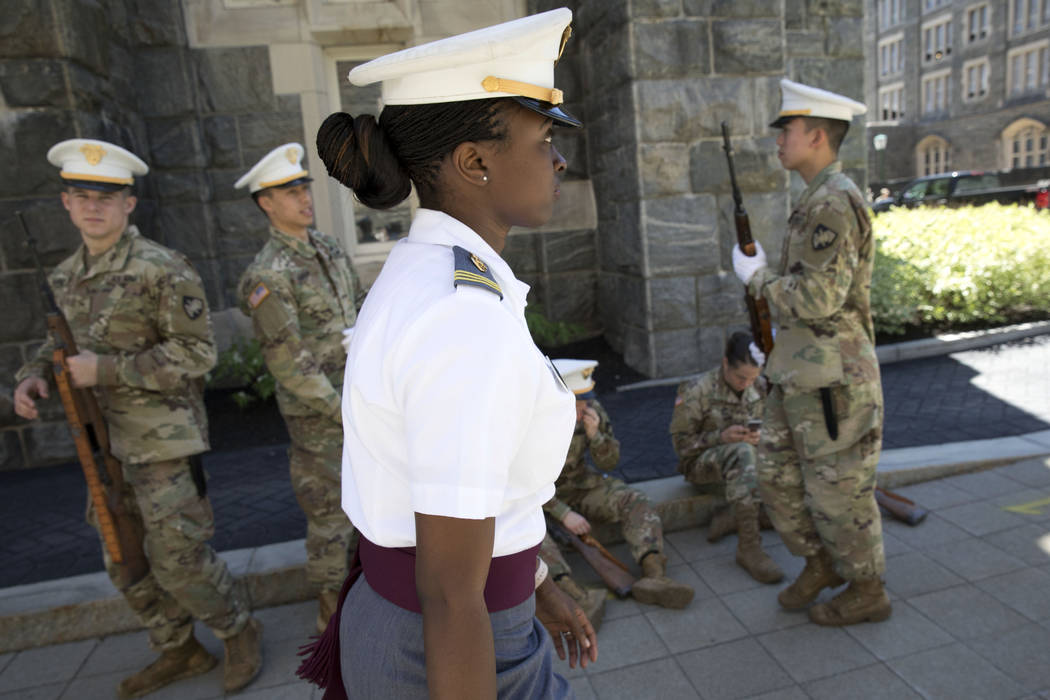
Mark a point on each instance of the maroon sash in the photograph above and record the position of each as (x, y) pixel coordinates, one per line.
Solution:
(391, 572)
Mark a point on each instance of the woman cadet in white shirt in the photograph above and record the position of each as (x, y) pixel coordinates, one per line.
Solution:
(456, 426)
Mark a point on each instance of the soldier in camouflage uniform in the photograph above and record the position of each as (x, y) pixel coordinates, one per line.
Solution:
(710, 433)
(302, 294)
(139, 316)
(582, 494)
(823, 423)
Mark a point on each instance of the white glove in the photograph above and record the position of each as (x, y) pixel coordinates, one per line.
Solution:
(757, 355)
(348, 335)
(745, 266)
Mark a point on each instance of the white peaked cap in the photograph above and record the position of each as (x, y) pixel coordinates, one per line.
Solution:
(283, 166)
(798, 100)
(578, 374)
(96, 164)
(513, 59)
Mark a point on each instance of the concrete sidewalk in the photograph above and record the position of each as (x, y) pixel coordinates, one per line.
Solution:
(971, 617)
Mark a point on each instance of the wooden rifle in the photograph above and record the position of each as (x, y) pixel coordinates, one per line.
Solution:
(899, 507)
(757, 309)
(613, 572)
(121, 533)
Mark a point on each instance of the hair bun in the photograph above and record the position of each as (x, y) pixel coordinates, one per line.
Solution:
(357, 153)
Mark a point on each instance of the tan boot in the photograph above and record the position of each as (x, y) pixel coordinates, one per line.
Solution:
(655, 588)
(327, 602)
(722, 523)
(749, 553)
(190, 659)
(817, 575)
(243, 656)
(591, 600)
(864, 601)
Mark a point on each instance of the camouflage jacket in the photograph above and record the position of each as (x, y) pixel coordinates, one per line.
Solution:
(822, 290)
(576, 475)
(142, 309)
(301, 296)
(706, 406)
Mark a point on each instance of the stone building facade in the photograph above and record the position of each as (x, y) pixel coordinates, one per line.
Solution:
(639, 246)
(957, 85)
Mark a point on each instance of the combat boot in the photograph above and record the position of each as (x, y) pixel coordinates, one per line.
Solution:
(864, 601)
(749, 553)
(722, 524)
(243, 656)
(186, 661)
(591, 600)
(655, 588)
(817, 575)
(327, 602)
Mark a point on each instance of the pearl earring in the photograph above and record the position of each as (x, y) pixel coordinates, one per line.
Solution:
(484, 178)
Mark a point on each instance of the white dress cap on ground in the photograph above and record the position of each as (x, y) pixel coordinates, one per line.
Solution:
(96, 164)
(578, 374)
(281, 167)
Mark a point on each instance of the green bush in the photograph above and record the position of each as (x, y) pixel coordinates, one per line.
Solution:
(550, 334)
(940, 269)
(242, 365)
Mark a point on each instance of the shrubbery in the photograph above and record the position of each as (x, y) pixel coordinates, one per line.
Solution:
(940, 269)
(242, 365)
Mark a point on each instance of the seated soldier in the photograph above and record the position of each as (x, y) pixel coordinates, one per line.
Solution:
(710, 432)
(582, 493)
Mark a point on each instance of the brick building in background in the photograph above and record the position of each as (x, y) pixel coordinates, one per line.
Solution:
(639, 246)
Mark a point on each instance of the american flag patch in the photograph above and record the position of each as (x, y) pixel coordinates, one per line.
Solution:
(258, 296)
(678, 401)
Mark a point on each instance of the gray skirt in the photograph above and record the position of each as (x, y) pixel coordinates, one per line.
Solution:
(381, 651)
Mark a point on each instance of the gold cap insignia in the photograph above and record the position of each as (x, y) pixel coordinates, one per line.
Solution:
(92, 153)
(291, 155)
(564, 38)
(478, 263)
(587, 372)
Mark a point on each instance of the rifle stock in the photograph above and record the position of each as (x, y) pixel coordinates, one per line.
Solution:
(121, 532)
(612, 571)
(899, 507)
(757, 309)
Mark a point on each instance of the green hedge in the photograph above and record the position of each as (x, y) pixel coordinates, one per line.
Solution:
(950, 269)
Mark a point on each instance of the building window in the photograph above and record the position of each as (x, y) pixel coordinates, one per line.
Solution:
(933, 155)
(1025, 144)
(890, 13)
(891, 55)
(978, 20)
(975, 79)
(1026, 15)
(936, 92)
(931, 5)
(937, 39)
(1027, 69)
(891, 103)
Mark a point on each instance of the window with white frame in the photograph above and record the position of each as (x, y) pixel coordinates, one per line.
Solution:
(978, 22)
(891, 55)
(890, 13)
(931, 5)
(975, 79)
(891, 103)
(936, 92)
(1026, 144)
(1026, 15)
(1027, 68)
(933, 155)
(937, 39)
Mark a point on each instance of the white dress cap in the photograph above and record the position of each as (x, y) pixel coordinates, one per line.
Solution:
(281, 167)
(578, 374)
(513, 59)
(97, 165)
(798, 100)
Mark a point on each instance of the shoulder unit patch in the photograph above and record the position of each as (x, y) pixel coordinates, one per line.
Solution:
(471, 270)
(823, 237)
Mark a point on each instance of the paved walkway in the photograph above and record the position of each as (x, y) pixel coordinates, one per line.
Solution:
(971, 619)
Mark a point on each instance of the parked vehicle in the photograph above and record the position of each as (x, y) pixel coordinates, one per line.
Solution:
(967, 187)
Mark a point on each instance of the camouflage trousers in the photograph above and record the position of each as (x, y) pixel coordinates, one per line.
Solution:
(315, 464)
(819, 492)
(732, 464)
(185, 579)
(613, 501)
(551, 554)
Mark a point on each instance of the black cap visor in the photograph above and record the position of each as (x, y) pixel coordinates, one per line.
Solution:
(560, 116)
(290, 183)
(95, 185)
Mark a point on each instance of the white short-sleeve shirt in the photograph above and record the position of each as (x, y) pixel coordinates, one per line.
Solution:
(449, 408)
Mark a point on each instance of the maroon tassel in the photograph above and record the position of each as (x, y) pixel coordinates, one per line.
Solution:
(321, 665)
